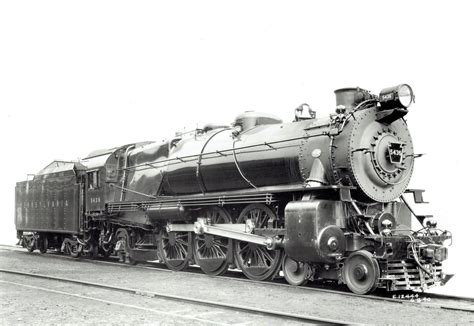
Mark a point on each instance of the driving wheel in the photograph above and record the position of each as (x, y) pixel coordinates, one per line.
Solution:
(175, 249)
(255, 261)
(213, 253)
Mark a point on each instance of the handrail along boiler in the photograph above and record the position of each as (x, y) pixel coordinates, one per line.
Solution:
(317, 198)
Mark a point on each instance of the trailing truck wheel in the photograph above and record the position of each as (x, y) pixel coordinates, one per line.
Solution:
(213, 253)
(175, 249)
(255, 261)
(361, 272)
(295, 273)
(124, 243)
(106, 250)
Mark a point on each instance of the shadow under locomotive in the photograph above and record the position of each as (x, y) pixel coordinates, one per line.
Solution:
(318, 198)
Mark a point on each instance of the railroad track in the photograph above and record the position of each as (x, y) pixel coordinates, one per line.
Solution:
(409, 297)
(207, 303)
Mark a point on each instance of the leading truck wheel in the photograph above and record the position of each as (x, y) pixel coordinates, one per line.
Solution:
(255, 261)
(361, 272)
(295, 273)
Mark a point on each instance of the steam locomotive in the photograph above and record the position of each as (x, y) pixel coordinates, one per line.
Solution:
(316, 198)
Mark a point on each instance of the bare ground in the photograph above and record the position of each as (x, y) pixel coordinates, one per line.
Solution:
(21, 304)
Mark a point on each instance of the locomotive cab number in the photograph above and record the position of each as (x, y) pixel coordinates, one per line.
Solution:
(95, 200)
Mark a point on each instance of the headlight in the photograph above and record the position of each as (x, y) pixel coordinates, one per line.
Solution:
(405, 95)
(397, 97)
(441, 253)
(435, 251)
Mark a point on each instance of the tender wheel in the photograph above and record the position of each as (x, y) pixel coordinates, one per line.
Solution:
(361, 272)
(42, 244)
(75, 249)
(213, 253)
(175, 249)
(257, 262)
(71, 247)
(30, 247)
(93, 250)
(29, 243)
(296, 273)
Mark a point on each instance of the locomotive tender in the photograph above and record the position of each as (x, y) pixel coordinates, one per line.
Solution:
(318, 198)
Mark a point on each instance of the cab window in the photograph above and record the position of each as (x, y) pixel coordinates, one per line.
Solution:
(93, 179)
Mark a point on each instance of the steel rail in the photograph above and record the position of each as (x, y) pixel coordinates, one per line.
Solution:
(176, 314)
(209, 303)
(197, 271)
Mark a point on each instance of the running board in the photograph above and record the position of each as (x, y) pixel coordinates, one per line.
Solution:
(240, 232)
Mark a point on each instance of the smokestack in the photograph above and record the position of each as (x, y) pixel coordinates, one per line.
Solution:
(350, 97)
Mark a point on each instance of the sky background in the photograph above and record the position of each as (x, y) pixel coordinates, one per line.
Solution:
(79, 76)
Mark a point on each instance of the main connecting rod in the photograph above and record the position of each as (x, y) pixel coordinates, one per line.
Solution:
(240, 232)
